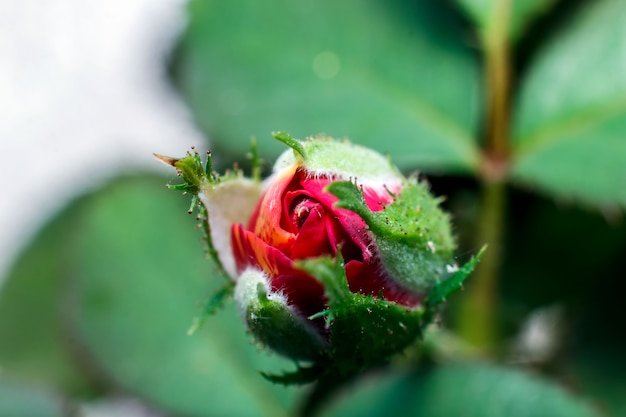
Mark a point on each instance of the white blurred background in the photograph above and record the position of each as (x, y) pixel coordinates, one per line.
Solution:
(83, 97)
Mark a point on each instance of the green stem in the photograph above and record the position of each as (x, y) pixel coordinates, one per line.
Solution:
(497, 78)
(477, 321)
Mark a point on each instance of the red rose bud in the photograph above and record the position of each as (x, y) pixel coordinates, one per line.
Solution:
(342, 260)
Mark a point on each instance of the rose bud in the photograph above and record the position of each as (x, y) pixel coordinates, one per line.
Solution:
(342, 260)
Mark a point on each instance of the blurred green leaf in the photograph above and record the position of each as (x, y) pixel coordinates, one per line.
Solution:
(468, 390)
(602, 373)
(570, 124)
(522, 12)
(33, 345)
(140, 278)
(21, 400)
(396, 76)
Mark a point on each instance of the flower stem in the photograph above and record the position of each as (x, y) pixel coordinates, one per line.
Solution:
(477, 321)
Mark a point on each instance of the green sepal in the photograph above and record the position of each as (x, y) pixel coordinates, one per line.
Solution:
(412, 234)
(255, 160)
(196, 175)
(215, 302)
(191, 169)
(368, 331)
(210, 191)
(331, 273)
(443, 289)
(303, 375)
(294, 144)
(325, 156)
(365, 331)
(274, 323)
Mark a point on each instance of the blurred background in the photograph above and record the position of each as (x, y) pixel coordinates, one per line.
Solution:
(102, 271)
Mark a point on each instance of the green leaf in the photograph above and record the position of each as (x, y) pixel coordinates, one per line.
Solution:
(468, 390)
(395, 76)
(601, 372)
(33, 344)
(520, 14)
(140, 276)
(21, 400)
(570, 122)
(524, 12)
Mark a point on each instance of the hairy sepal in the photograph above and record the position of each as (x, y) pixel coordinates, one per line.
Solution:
(228, 202)
(274, 323)
(412, 235)
(322, 156)
(365, 331)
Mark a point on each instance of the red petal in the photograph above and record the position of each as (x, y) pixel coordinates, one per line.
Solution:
(266, 221)
(302, 291)
(370, 279)
(312, 240)
(249, 250)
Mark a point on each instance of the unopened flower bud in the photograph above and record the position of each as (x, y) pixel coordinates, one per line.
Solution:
(340, 260)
